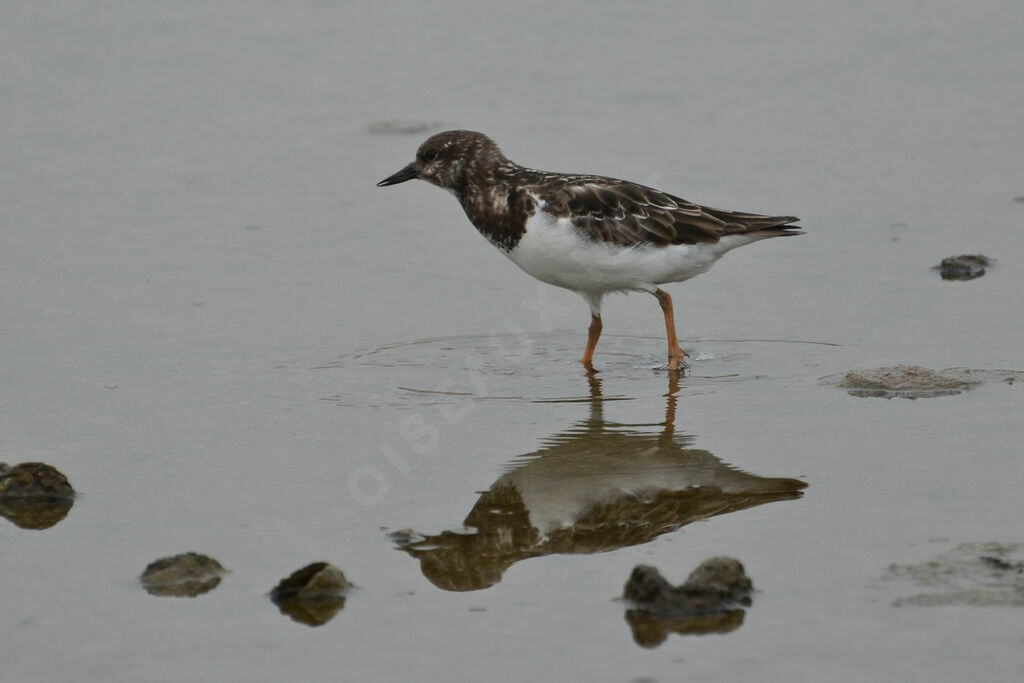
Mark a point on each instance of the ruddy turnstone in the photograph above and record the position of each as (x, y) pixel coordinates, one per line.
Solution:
(590, 234)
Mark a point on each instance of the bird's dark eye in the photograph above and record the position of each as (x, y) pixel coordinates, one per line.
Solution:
(430, 155)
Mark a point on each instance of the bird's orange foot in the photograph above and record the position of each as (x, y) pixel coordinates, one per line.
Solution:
(677, 359)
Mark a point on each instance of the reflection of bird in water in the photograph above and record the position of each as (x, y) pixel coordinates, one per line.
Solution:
(595, 487)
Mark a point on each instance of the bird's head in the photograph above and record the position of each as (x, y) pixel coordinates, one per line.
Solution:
(449, 159)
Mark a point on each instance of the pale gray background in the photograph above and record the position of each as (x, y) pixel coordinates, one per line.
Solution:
(192, 251)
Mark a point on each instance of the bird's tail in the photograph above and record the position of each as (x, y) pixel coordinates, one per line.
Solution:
(746, 228)
(737, 223)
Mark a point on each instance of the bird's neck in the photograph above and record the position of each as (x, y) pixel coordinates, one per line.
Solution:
(495, 206)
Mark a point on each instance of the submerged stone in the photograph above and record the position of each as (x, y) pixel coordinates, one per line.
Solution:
(312, 595)
(963, 267)
(34, 495)
(182, 576)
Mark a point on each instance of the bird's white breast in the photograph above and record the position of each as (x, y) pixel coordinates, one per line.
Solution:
(553, 251)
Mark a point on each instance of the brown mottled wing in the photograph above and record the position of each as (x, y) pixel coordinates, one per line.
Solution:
(620, 212)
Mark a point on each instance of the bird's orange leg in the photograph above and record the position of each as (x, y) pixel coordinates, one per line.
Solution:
(676, 356)
(592, 337)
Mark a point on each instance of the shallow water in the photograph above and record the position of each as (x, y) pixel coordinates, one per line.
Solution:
(232, 343)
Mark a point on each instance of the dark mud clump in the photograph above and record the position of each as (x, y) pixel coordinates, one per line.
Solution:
(976, 574)
(717, 585)
(34, 480)
(312, 595)
(710, 601)
(182, 576)
(912, 381)
(963, 267)
(34, 495)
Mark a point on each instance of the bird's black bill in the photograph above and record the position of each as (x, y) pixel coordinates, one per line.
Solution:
(407, 173)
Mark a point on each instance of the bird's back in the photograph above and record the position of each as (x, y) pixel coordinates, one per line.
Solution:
(628, 214)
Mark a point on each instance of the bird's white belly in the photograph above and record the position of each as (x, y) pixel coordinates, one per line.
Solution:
(554, 252)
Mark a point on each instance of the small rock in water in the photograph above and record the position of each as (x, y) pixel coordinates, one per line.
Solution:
(182, 576)
(963, 267)
(34, 495)
(312, 595)
(709, 602)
